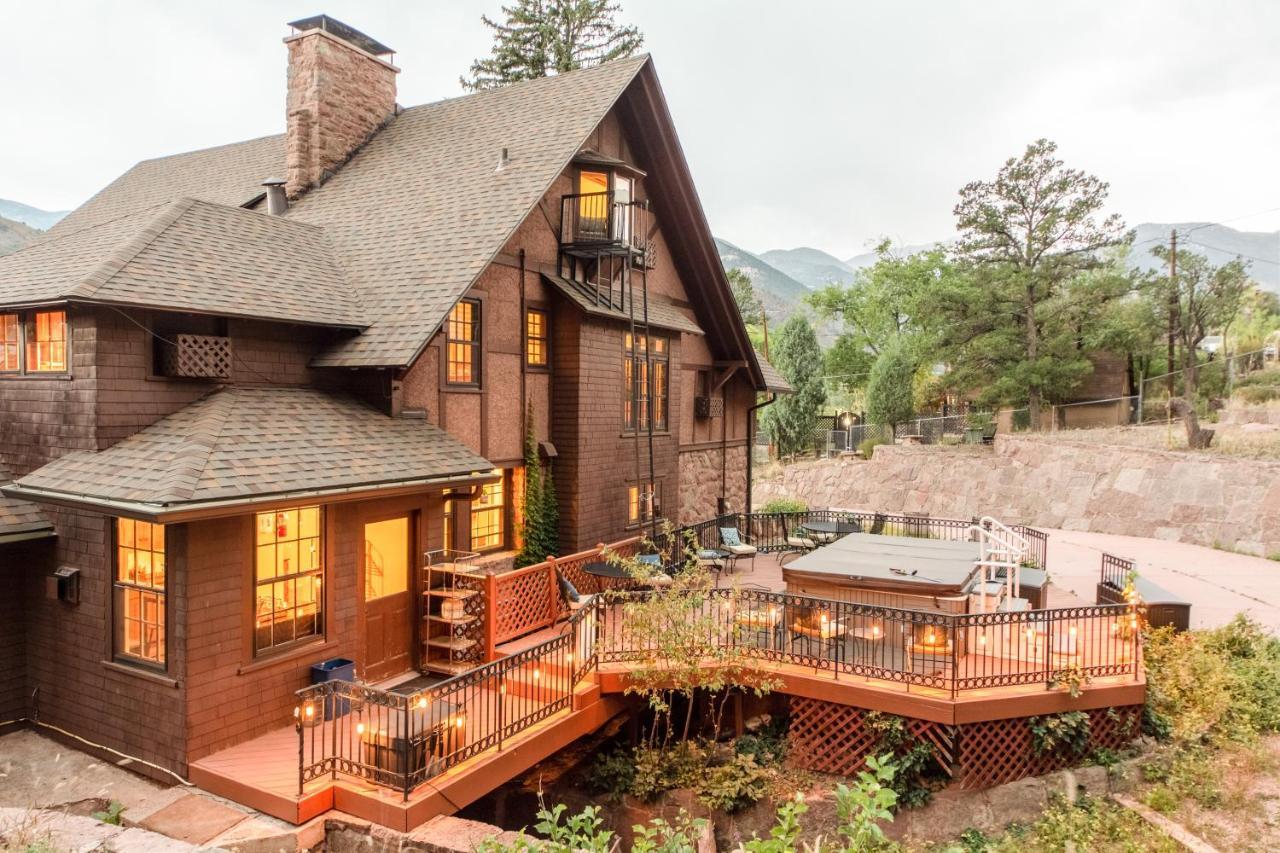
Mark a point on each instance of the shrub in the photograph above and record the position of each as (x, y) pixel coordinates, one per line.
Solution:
(1270, 376)
(612, 773)
(784, 505)
(869, 446)
(1065, 732)
(1213, 686)
(737, 782)
(1258, 394)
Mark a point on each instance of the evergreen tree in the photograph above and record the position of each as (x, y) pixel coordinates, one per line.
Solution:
(889, 399)
(798, 357)
(539, 38)
(1025, 237)
(541, 522)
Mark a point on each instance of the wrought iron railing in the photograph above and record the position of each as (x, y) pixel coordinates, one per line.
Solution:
(400, 739)
(1116, 571)
(768, 531)
(601, 221)
(951, 653)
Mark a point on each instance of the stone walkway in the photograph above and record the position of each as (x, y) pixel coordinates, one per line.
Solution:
(51, 790)
(1219, 584)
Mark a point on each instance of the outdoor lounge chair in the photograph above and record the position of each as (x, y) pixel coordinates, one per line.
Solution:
(737, 545)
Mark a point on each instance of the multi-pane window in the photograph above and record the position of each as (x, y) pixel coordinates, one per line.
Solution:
(448, 523)
(488, 513)
(659, 358)
(47, 342)
(645, 395)
(288, 577)
(640, 507)
(462, 339)
(535, 338)
(139, 592)
(10, 343)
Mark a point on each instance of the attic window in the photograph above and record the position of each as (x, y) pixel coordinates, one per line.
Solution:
(34, 342)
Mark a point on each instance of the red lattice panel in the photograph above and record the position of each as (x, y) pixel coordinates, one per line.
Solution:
(832, 738)
(999, 751)
(527, 601)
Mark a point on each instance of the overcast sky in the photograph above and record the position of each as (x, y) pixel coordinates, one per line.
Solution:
(805, 123)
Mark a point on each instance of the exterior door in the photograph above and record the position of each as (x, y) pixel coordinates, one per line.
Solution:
(388, 601)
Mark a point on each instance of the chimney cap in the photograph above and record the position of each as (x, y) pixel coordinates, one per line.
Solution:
(342, 31)
(274, 182)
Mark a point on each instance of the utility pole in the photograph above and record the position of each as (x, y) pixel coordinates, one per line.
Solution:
(1173, 303)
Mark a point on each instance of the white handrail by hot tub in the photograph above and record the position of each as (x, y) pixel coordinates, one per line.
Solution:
(999, 548)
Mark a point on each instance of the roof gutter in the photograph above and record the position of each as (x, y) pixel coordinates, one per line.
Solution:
(198, 511)
(27, 535)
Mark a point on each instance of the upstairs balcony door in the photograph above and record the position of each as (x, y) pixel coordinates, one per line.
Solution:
(388, 600)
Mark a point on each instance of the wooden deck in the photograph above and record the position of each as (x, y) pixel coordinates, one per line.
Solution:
(263, 773)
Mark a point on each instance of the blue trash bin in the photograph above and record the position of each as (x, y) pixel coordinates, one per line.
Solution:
(334, 669)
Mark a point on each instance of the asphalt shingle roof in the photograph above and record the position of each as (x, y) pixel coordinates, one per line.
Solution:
(19, 517)
(228, 174)
(245, 443)
(420, 211)
(773, 380)
(663, 313)
(190, 255)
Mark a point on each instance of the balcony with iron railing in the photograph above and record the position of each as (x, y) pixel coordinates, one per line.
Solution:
(596, 224)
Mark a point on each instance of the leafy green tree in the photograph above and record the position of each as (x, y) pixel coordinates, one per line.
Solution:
(541, 523)
(1026, 236)
(1201, 299)
(883, 303)
(538, 38)
(798, 357)
(889, 397)
(848, 364)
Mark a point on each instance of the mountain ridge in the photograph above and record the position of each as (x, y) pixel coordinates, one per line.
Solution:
(41, 220)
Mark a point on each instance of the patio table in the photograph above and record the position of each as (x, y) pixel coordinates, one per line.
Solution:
(607, 575)
(828, 531)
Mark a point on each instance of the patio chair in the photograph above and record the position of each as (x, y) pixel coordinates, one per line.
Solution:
(737, 545)
(797, 543)
(989, 433)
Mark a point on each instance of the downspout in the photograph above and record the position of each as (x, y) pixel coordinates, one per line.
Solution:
(751, 440)
(524, 349)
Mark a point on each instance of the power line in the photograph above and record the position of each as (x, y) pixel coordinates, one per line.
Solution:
(1230, 252)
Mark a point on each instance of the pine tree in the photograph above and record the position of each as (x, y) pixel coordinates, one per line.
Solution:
(539, 38)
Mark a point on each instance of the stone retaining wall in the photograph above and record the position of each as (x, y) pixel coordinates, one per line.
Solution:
(1053, 482)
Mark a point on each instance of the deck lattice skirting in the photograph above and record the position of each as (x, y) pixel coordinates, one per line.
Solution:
(829, 737)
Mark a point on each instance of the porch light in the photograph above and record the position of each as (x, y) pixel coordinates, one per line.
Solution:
(458, 721)
(537, 673)
(359, 728)
(1031, 635)
(875, 631)
(568, 658)
(982, 639)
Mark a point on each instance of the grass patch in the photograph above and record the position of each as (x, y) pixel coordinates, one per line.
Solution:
(1089, 824)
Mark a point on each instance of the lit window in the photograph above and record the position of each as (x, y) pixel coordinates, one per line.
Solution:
(642, 396)
(462, 337)
(487, 515)
(448, 523)
(47, 342)
(535, 347)
(139, 590)
(10, 346)
(288, 577)
(639, 509)
(659, 358)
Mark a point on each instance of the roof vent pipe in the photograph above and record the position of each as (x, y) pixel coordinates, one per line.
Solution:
(503, 159)
(277, 201)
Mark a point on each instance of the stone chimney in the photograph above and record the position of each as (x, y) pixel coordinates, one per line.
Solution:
(342, 89)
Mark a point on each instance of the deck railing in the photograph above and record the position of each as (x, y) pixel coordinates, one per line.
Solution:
(402, 738)
(952, 653)
(601, 221)
(768, 531)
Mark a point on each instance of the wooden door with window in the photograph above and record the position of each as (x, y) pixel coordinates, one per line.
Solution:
(388, 598)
